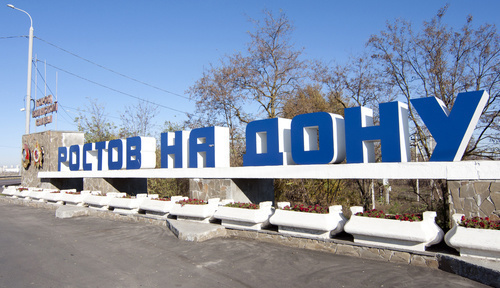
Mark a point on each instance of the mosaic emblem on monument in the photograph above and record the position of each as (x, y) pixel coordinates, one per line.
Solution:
(38, 156)
(26, 156)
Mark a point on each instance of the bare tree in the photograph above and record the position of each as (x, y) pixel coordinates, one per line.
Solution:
(441, 62)
(138, 120)
(271, 70)
(355, 83)
(94, 123)
(219, 104)
(266, 75)
(310, 99)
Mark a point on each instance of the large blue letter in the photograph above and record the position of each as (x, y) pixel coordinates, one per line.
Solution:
(318, 138)
(392, 133)
(209, 147)
(62, 157)
(134, 152)
(101, 159)
(74, 158)
(451, 130)
(115, 154)
(268, 142)
(174, 149)
(86, 148)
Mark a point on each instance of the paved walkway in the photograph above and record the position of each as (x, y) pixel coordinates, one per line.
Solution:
(39, 250)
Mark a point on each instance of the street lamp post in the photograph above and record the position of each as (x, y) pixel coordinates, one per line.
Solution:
(30, 60)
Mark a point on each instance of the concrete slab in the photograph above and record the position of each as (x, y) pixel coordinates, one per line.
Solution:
(195, 232)
(71, 211)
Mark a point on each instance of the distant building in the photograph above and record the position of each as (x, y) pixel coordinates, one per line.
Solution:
(11, 169)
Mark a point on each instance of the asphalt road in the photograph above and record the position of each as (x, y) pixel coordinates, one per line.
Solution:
(39, 250)
(9, 181)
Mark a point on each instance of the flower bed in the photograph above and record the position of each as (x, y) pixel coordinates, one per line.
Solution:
(24, 193)
(195, 209)
(16, 191)
(475, 237)
(308, 223)
(126, 204)
(245, 216)
(73, 197)
(35, 194)
(380, 214)
(159, 206)
(13, 191)
(412, 234)
(99, 202)
(54, 197)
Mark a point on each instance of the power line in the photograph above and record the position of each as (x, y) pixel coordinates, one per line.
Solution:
(113, 71)
(60, 105)
(11, 37)
(83, 110)
(115, 90)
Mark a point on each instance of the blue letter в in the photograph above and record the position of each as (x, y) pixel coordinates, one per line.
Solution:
(392, 132)
(451, 130)
(141, 152)
(133, 152)
(318, 138)
(174, 149)
(268, 142)
(209, 147)
(62, 159)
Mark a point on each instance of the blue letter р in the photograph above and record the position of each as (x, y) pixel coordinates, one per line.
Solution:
(62, 156)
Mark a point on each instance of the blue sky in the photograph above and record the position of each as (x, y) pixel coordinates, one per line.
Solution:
(167, 44)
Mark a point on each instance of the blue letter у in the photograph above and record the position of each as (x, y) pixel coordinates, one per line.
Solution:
(451, 130)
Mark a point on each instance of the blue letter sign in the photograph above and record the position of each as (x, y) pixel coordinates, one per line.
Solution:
(318, 138)
(451, 130)
(392, 133)
(268, 142)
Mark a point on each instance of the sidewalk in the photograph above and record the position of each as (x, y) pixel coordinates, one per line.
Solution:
(40, 250)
